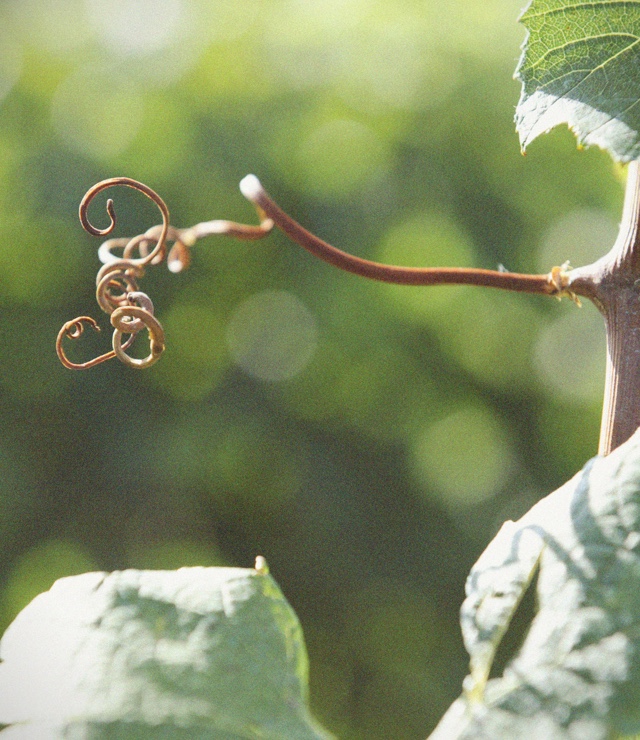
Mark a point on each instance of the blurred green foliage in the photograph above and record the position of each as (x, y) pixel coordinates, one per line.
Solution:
(373, 454)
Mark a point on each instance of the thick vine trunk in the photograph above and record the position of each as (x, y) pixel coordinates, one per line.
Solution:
(621, 410)
(613, 284)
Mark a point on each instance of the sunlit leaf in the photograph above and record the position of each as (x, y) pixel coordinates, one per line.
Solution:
(577, 675)
(198, 652)
(581, 66)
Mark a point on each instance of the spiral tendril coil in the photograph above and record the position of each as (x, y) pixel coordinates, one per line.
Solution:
(117, 293)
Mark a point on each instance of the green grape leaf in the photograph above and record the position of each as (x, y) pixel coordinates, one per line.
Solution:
(194, 653)
(581, 66)
(577, 674)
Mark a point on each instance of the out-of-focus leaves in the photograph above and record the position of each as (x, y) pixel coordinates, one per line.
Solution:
(576, 675)
(198, 652)
(581, 66)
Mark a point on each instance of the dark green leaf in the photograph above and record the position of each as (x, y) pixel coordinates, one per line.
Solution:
(581, 66)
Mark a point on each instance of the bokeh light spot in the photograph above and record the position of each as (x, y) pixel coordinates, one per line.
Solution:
(491, 335)
(272, 336)
(395, 68)
(134, 27)
(580, 237)
(10, 62)
(59, 28)
(464, 458)
(570, 355)
(429, 239)
(195, 359)
(340, 157)
(97, 114)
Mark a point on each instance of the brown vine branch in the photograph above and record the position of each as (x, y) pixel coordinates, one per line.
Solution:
(612, 283)
(118, 294)
(544, 284)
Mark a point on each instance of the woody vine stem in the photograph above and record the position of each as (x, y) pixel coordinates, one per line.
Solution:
(612, 284)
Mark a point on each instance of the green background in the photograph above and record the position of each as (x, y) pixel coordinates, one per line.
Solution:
(367, 439)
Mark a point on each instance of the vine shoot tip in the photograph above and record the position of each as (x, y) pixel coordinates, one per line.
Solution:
(250, 187)
(261, 566)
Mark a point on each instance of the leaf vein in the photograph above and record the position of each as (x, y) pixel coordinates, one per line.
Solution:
(616, 116)
(578, 6)
(594, 70)
(586, 40)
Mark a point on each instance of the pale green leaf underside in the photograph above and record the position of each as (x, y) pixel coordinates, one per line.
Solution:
(577, 675)
(195, 653)
(581, 66)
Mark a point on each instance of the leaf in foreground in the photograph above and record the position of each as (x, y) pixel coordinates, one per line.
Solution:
(577, 675)
(581, 66)
(194, 653)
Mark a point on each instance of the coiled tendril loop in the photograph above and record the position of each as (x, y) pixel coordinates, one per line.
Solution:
(117, 291)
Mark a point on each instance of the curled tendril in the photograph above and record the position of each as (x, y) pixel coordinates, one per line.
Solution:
(177, 260)
(125, 321)
(141, 187)
(113, 277)
(117, 291)
(142, 300)
(73, 330)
